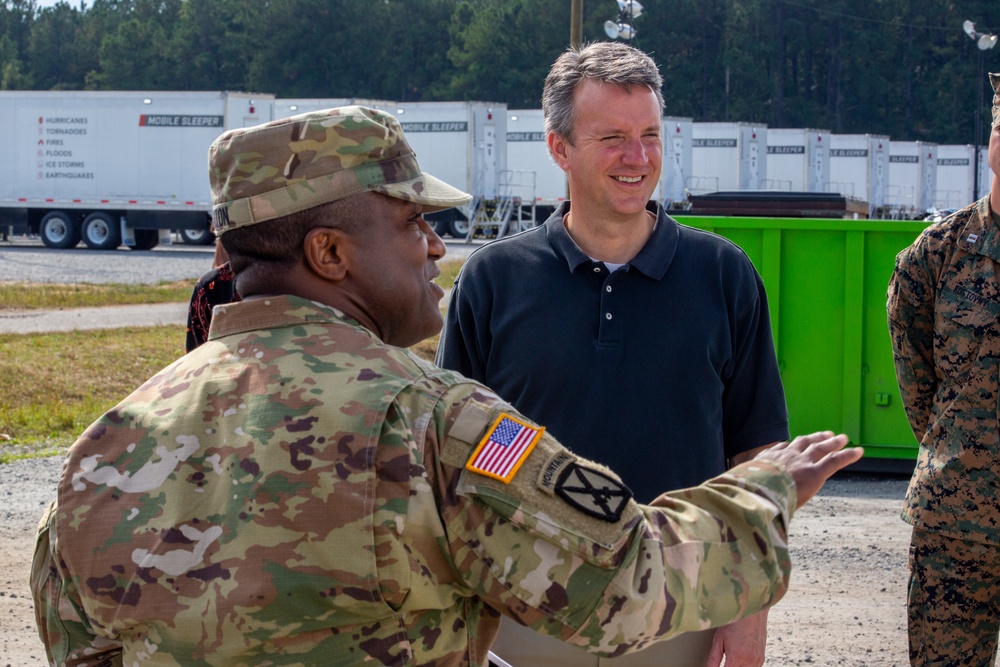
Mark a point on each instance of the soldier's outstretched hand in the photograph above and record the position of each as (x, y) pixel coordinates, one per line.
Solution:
(812, 459)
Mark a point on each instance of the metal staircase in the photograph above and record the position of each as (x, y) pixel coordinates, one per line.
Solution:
(492, 218)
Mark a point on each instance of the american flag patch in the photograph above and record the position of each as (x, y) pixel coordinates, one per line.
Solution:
(504, 448)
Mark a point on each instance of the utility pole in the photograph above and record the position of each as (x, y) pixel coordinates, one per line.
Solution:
(576, 23)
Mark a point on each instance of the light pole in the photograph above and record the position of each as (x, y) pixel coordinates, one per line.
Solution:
(985, 42)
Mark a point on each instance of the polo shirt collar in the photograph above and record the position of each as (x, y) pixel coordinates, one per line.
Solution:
(652, 260)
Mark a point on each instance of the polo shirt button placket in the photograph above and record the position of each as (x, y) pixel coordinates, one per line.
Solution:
(608, 330)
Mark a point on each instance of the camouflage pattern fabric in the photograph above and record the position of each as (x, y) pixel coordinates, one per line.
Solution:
(272, 170)
(954, 585)
(943, 304)
(294, 492)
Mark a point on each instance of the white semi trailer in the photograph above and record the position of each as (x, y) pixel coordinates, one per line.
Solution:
(985, 172)
(533, 173)
(462, 143)
(859, 168)
(912, 178)
(798, 159)
(728, 157)
(113, 167)
(678, 154)
(956, 173)
(285, 107)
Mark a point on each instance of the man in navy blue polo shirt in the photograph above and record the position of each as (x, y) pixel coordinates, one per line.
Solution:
(637, 341)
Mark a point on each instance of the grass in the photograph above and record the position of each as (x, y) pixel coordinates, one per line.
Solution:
(51, 296)
(54, 385)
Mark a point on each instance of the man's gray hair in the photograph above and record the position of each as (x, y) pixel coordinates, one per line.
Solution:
(607, 62)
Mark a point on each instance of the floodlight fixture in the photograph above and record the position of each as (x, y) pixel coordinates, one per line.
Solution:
(630, 8)
(984, 40)
(621, 27)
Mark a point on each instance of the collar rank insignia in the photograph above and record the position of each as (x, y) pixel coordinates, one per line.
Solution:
(504, 448)
(593, 492)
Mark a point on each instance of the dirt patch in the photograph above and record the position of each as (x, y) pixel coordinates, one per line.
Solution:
(845, 607)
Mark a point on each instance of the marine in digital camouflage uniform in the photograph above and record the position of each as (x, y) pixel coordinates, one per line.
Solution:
(943, 307)
(301, 490)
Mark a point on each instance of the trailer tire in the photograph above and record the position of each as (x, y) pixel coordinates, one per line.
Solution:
(146, 239)
(59, 230)
(100, 231)
(459, 227)
(197, 236)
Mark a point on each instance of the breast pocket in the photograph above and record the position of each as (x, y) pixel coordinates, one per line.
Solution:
(961, 330)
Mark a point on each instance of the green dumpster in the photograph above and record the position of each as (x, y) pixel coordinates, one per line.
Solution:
(826, 283)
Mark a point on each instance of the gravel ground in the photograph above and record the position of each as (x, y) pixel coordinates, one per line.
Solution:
(27, 260)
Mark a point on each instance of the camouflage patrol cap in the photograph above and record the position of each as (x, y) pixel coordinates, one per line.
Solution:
(995, 82)
(285, 166)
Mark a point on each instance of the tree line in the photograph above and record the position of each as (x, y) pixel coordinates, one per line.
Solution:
(903, 68)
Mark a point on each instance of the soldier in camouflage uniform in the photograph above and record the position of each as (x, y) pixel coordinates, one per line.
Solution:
(943, 304)
(301, 490)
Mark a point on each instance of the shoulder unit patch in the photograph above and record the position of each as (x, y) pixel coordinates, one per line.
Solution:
(592, 492)
(504, 448)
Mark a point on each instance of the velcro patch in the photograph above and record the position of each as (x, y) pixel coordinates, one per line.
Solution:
(504, 448)
(592, 492)
(552, 471)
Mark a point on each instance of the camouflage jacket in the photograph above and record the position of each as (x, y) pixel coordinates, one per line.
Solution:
(295, 492)
(943, 303)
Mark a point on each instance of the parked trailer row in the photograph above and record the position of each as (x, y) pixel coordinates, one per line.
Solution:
(127, 167)
(896, 179)
(114, 167)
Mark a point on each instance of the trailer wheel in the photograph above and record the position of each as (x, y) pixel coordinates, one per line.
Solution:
(146, 239)
(197, 236)
(459, 227)
(59, 230)
(101, 232)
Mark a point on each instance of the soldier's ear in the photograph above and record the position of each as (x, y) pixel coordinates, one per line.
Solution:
(326, 252)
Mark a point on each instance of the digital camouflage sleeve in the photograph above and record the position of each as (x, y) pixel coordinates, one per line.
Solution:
(302, 494)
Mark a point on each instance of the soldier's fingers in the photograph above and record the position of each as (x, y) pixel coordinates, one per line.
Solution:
(837, 460)
(802, 442)
(831, 443)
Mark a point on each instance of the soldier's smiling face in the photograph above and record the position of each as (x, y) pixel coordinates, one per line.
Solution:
(394, 262)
